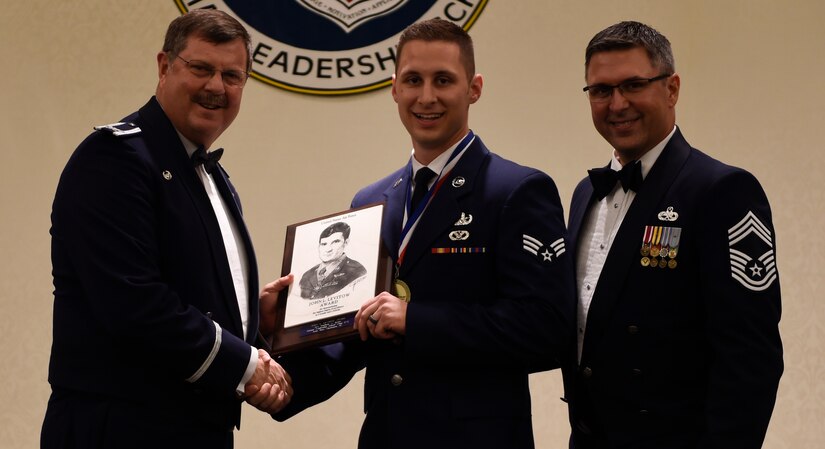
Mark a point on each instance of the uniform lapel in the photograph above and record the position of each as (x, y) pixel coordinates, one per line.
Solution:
(230, 197)
(444, 209)
(625, 249)
(170, 150)
(394, 215)
(582, 202)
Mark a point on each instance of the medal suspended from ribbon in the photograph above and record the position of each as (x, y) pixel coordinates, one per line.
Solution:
(674, 247)
(655, 246)
(401, 289)
(645, 251)
(665, 241)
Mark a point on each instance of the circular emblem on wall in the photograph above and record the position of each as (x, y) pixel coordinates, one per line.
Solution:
(332, 47)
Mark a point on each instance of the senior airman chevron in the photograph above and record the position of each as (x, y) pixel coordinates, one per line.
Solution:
(752, 260)
(535, 247)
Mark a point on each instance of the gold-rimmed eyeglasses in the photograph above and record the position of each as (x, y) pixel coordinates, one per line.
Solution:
(234, 78)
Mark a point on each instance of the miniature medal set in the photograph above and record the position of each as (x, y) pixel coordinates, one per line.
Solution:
(660, 246)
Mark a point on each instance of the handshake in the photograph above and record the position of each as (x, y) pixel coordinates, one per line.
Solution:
(270, 387)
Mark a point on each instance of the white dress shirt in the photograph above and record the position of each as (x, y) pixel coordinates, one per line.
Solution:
(598, 230)
(236, 256)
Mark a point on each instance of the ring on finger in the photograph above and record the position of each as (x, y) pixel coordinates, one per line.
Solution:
(373, 319)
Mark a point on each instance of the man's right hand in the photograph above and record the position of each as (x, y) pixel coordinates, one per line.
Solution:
(270, 387)
(268, 303)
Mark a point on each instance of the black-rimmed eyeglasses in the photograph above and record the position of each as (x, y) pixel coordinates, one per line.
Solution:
(598, 93)
(234, 78)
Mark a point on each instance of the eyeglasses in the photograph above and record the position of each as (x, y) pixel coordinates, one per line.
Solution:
(234, 78)
(598, 93)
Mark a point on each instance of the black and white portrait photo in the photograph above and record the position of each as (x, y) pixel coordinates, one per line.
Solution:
(336, 270)
(334, 260)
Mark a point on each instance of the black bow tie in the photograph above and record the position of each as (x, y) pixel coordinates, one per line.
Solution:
(209, 160)
(604, 179)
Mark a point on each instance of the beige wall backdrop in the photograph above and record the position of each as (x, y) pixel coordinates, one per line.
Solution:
(752, 95)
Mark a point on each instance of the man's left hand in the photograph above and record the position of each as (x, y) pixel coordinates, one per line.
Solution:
(383, 317)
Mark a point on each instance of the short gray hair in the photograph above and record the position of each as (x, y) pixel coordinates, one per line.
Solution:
(627, 35)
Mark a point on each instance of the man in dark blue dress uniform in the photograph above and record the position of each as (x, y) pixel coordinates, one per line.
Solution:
(678, 290)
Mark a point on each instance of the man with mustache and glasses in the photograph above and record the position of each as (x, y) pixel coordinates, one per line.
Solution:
(678, 293)
(156, 301)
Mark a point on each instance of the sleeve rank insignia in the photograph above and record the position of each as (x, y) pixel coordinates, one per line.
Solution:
(752, 260)
(544, 252)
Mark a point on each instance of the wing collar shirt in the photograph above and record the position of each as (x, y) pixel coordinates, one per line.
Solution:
(236, 256)
(597, 234)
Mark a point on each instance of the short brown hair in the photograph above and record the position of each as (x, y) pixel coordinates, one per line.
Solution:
(211, 25)
(441, 30)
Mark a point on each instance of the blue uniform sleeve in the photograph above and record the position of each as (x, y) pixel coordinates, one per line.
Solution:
(740, 290)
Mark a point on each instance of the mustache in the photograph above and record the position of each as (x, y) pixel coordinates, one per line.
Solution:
(211, 99)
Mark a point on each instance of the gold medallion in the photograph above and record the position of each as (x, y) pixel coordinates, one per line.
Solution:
(645, 261)
(672, 264)
(645, 250)
(672, 253)
(662, 263)
(663, 252)
(654, 262)
(401, 290)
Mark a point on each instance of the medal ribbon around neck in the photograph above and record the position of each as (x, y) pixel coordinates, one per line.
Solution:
(413, 217)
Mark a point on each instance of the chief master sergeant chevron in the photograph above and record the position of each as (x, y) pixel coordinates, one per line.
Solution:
(156, 301)
(483, 281)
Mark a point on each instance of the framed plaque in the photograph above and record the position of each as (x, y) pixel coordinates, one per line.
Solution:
(338, 262)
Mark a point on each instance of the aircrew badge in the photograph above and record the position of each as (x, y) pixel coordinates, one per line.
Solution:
(459, 235)
(668, 215)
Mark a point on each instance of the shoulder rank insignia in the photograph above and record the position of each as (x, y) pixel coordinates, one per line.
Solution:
(119, 129)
